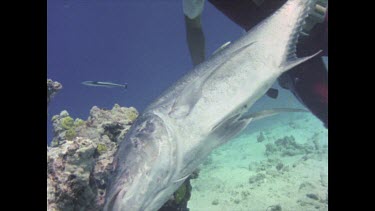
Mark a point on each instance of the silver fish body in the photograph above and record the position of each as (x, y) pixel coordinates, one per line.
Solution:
(201, 111)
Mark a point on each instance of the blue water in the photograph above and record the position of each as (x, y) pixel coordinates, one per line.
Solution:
(141, 43)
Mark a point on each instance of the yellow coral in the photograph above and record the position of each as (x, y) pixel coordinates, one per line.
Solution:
(67, 122)
(101, 148)
(132, 115)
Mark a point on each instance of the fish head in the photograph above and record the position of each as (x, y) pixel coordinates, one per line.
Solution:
(143, 167)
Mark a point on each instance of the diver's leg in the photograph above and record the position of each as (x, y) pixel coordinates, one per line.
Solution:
(195, 39)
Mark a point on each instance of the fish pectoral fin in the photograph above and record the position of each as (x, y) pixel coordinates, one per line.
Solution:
(232, 126)
(186, 101)
(181, 179)
(272, 93)
(271, 112)
(229, 128)
(293, 61)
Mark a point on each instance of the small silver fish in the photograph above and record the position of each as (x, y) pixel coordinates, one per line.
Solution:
(104, 84)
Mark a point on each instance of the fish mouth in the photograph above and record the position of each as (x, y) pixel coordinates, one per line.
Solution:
(145, 166)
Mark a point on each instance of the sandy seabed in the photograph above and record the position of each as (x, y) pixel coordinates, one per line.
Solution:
(240, 176)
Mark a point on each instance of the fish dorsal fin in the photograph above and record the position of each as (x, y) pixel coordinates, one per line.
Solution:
(290, 57)
(191, 94)
(298, 28)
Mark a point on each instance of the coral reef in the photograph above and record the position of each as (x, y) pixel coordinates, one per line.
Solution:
(52, 88)
(68, 176)
(65, 128)
(67, 122)
(79, 160)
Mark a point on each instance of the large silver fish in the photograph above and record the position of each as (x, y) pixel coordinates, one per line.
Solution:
(203, 110)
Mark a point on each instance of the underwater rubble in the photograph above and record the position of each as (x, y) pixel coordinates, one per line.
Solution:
(290, 174)
(274, 208)
(287, 146)
(311, 197)
(266, 169)
(79, 160)
(52, 88)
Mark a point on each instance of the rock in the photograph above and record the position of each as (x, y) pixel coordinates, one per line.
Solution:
(306, 186)
(245, 194)
(52, 88)
(68, 175)
(260, 137)
(313, 196)
(288, 142)
(287, 146)
(279, 166)
(270, 149)
(274, 208)
(309, 197)
(310, 204)
(215, 202)
(258, 178)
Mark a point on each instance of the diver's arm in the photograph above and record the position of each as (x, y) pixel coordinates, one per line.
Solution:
(195, 39)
